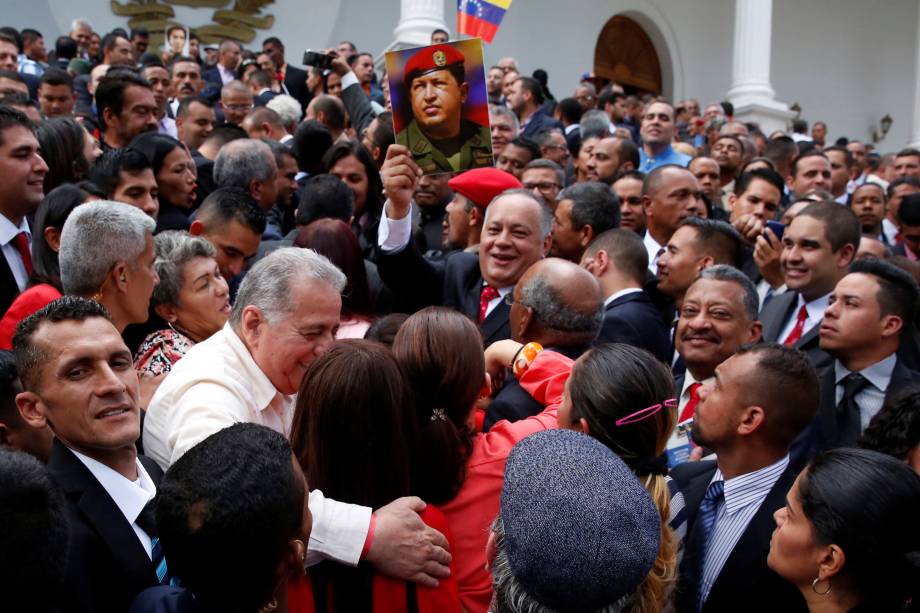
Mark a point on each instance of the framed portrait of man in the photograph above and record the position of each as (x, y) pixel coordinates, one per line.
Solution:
(440, 105)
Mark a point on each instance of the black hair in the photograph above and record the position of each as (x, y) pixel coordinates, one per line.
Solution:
(813, 153)
(188, 101)
(867, 503)
(848, 158)
(332, 109)
(229, 507)
(593, 204)
(65, 48)
(150, 60)
(227, 204)
(106, 171)
(719, 239)
(373, 205)
(52, 212)
(142, 32)
(325, 196)
(908, 152)
(311, 142)
(898, 291)
(525, 143)
(273, 40)
(61, 142)
(10, 387)
(11, 34)
(34, 533)
(570, 110)
(56, 76)
(895, 429)
(110, 93)
(841, 226)
(384, 330)
(29, 356)
(155, 147)
(909, 211)
(786, 386)
(225, 134)
(913, 181)
(10, 118)
(764, 174)
(261, 78)
(534, 87)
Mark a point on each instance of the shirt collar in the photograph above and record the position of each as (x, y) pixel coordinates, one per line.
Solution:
(264, 392)
(129, 496)
(620, 294)
(651, 244)
(879, 374)
(689, 380)
(751, 487)
(9, 231)
(815, 308)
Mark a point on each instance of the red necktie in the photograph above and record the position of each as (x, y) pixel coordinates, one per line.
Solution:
(488, 294)
(21, 242)
(796, 333)
(690, 407)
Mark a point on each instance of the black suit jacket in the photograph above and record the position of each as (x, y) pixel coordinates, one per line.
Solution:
(634, 320)
(264, 98)
(745, 583)
(295, 81)
(822, 433)
(8, 287)
(776, 314)
(454, 282)
(107, 565)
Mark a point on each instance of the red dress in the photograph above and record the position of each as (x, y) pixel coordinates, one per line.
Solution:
(389, 595)
(475, 507)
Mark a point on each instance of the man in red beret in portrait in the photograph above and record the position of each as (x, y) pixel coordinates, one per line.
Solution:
(438, 136)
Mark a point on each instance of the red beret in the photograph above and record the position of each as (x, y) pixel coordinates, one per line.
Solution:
(429, 59)
(482, 185)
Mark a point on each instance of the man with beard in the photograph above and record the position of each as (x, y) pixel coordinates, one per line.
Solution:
(585, 210)
(707, 172)
(868, 203)
(494, 84)
(728, 152)
(609, 157)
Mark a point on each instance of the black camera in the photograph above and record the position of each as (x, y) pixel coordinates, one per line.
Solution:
(320, 61)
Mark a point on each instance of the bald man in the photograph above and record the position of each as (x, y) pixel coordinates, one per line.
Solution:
(559, 305)
(670, 194)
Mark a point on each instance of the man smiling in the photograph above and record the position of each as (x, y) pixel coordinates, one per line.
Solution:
(438, 136)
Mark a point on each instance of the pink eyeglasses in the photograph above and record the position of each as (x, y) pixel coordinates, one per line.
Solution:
(647, 412)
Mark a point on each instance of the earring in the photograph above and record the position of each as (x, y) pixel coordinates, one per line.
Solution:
(814, 587)
(270, 606)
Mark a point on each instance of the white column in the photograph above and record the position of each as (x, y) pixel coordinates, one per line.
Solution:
(915, 135)
(751, 93)
(417, 19)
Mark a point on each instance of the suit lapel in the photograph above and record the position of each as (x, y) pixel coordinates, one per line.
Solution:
(779, 309)
(827, 409)
(496, 325)
(809, 338)
(101, 512)
(750, 552)
(691, 567)
(8, 286)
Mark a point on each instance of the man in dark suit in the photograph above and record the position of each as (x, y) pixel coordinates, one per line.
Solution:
(762, 398)
(79, 379)
(516, 233)
(23, 170)
(555, 304)
(870, 310)
(618, 259)
(526, 99)
(818, 246)
(294, 79)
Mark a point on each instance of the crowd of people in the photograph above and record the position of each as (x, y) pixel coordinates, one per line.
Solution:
(253, 359)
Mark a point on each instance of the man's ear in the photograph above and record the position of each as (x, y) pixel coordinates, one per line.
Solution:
(464, 92)
(251, 325)
(166, 311)
(524, 323)
(30, 409)
(601, 263)
(587, 235)
(197, 228)
(751, 420)
(627, 166)
(732, 199)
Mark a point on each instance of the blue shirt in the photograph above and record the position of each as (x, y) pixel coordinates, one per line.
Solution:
(668, 156)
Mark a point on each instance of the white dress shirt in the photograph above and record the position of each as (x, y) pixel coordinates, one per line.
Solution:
(218, 384)
(678, 447)
(890, 230)
(815, 310)
(9, 231)
(226, 75)
(129, 496)
(871, 398)
(653, 249)
(743, 496)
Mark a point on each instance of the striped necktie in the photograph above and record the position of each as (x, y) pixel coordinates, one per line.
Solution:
(708, 509)
(148, 524)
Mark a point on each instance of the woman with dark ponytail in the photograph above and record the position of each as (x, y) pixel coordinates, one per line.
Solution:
(848, 535)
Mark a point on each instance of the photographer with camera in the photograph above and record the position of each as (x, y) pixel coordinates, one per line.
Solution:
(359, 106)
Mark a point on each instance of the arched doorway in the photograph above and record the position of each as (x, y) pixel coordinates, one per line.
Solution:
(624, 53)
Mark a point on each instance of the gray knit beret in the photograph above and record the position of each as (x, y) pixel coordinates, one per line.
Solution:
(580, 530)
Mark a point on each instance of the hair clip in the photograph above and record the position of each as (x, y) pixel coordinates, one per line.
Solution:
(647, 412)
(439, 414)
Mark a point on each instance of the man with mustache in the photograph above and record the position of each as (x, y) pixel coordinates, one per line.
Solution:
(184, 81)
(438, 136)
(818, 247)
(718, 315)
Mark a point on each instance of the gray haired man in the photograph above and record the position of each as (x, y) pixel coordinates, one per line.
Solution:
(286, 314)
(559, 305)
(249, 164)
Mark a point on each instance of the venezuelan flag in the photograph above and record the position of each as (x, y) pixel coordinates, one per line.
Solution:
(480, 17)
